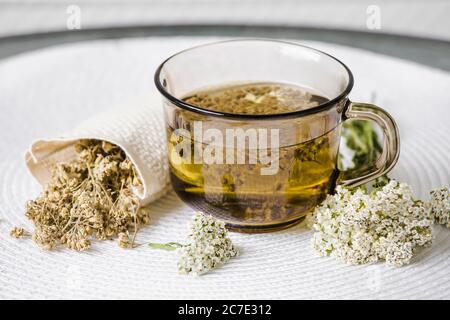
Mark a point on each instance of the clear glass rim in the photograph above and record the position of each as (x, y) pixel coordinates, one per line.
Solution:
(299, 113)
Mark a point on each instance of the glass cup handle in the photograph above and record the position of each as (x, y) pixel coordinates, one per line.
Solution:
(391, 147)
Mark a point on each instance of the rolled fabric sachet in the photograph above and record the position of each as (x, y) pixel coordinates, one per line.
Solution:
(138, 131)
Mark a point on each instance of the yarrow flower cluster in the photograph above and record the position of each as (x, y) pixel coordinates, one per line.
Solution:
(359, 227)
(440, 206)
(209, 246)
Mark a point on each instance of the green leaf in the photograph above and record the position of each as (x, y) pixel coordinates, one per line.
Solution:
(361, 137)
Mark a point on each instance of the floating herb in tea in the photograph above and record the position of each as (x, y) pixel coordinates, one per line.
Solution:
(256, 98)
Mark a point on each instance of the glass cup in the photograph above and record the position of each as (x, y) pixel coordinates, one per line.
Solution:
(262, 172)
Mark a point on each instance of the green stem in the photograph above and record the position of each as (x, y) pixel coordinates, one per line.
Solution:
(166, 246)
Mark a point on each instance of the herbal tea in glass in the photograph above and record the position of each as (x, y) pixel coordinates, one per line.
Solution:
(254, 130)
(238, 191)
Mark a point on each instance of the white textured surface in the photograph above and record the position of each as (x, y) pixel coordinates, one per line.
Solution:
(50, 91)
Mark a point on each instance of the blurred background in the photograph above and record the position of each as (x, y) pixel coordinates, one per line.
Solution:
(411, 29)
(408, 17)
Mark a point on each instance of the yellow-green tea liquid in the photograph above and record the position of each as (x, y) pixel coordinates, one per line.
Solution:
(238, 193)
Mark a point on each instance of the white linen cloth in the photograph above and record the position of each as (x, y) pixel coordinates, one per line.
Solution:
(137, 130)
(50, 91)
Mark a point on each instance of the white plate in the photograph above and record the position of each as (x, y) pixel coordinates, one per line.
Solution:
(48, 91)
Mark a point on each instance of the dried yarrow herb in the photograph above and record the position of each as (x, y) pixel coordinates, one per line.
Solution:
(255, 99)
(18, 233)
(89, 197)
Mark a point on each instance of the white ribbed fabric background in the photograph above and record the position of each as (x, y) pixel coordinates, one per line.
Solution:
(50, 91)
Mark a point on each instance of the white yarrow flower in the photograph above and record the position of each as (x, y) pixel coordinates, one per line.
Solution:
(440, 205)
(358, 227)
(209, 246)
